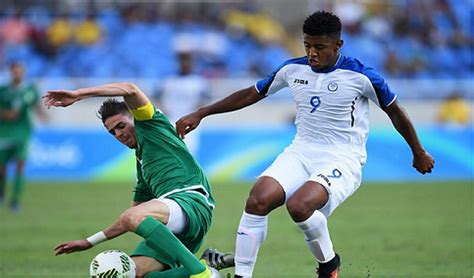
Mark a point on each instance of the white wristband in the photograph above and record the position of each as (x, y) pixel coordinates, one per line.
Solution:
(96, 238)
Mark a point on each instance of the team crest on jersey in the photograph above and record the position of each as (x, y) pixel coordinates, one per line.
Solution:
(332, 86)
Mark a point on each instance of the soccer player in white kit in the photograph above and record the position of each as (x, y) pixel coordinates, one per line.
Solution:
(182, 94)
(322, 166)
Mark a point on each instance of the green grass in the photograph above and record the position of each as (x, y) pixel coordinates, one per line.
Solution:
(384, 230)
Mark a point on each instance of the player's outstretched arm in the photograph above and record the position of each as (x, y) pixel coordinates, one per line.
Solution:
(235, 101)
(114, 230)
(131, 94)
(422, 160)
(72, 246)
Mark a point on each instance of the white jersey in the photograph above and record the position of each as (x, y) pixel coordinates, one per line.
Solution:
(182, 94)
(332, 104)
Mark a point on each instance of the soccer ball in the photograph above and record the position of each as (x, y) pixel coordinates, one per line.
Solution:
(112, 263)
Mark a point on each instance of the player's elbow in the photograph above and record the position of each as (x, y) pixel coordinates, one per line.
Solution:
(131, 88)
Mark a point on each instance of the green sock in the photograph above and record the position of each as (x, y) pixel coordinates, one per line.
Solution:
(17, 188)
(179, 272)
(159, 238)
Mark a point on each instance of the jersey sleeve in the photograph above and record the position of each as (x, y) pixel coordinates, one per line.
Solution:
(30, 96)
(141, 192)
(143, 113)
(273, 82)
(377, 90)
(36, 94)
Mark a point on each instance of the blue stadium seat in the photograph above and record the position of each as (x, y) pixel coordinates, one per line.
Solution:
(145, 49)
(18, 52)
(463, 9)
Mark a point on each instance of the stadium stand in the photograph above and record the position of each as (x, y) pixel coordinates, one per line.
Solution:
(415, 39)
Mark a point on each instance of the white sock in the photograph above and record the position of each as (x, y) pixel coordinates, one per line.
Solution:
(250, 235)
(316, 234)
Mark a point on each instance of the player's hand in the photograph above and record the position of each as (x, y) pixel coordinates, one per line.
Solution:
(423, 162)
(72, 246)
(187, 123)
(61, 98)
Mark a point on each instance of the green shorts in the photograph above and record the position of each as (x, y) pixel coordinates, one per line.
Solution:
(14, 151)
(199, 215)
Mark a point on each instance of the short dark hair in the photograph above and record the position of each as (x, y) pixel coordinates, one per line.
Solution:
(322, 23)
(15, 63)
(111, 107)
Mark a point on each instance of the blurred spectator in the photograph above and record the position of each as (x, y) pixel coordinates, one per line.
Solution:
(257, 23)
(209, 45)
(60, 32)
(41, 43)
(350, 12)
(454, 110)
(410, 39)
(14, 29)
(88, 32)
(393, 66)
(256, 37)
(182, 94)
(378, 22)
(17, 101)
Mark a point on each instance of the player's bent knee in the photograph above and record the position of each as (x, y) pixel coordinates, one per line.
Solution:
(131, 218)
(125, 220)
(298, 209)
(258, 205)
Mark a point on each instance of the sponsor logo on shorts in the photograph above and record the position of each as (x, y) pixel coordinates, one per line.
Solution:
(326, 179)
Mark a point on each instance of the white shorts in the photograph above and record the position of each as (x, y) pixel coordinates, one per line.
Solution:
(339, 173)
(177, 221)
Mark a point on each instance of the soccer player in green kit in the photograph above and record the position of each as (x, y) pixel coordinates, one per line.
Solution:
(18, 100)
(172, 205)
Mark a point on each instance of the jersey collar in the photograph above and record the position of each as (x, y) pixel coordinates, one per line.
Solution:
(332, 68)
(19, 86)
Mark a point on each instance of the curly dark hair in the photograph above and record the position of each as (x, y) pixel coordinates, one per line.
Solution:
(112, 107)
(322, 23)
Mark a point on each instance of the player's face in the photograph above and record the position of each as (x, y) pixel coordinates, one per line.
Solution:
(122, 128)
(322, 51)
(17, 72)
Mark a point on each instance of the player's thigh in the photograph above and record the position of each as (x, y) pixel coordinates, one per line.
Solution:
(266, 195)
(177, 218)
(198, 213)
(340, 177)
(288, 170)
(165, 210)
(155, 208)
(308, 198)
(147, 264)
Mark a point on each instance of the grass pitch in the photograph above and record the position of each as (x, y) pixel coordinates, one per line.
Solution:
(384, 230)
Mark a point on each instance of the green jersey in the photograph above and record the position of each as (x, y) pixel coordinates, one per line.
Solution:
(164, 164)
(21, 99)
